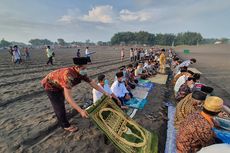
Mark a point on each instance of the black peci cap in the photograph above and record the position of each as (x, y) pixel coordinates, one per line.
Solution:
(207, 89)
(199, 95)
(119, 74)
(80, 60)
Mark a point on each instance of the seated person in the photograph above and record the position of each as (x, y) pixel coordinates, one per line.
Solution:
(195, 131)
(154, 66)
(140, 73)
(190, 104)
(185, 88)
(183, 71)
(203, 87)
(149, 68)
(185, 68)
(207, 90)
(174, 62)
(177, 68)
(181, 80)
(124, 70)
(131, 81)
(121, 69)
(119, 89)
(104, 84)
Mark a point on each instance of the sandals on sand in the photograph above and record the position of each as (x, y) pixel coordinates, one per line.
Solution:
(71, 129)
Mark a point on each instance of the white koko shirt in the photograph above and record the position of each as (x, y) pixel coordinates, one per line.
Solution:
(181, 80)
(97, 94)
(119, 89)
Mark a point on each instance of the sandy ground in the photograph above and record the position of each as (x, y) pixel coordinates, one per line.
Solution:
(214, 62)
(27, 121)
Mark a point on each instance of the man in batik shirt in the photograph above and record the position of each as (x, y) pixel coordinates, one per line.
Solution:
(195, 131)
(58, 85)
(188, 105)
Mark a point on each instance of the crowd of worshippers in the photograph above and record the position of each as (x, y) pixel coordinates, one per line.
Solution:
(127, 77)
(196, 108)
(137, 54)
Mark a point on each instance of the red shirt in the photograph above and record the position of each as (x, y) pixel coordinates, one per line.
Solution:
(63, 78)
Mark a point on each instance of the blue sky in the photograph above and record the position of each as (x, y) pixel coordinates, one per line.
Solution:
(79, 20)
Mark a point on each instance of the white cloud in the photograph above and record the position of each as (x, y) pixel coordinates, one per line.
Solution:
(103, 14)
(70, 17)
(66, 19)
(143, 15)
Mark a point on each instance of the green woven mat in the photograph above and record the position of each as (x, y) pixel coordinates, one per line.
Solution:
(125, 133)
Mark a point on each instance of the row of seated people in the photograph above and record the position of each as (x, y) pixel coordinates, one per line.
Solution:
(125, 80)
(196, 109)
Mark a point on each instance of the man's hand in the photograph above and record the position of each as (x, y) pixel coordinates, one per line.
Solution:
(118, 102)
(84, 113)
(127, 96)
(107, 94)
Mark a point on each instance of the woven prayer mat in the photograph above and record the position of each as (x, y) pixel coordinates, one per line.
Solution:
(159, 79)
(125, 133)
(194, 70)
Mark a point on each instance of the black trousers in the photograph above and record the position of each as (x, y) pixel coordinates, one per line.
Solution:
(50, 60)
(57, 100)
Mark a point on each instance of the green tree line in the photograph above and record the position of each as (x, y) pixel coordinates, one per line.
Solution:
(142, 37)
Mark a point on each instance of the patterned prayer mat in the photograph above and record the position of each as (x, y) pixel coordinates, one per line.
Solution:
(142, 81)
(170, 146)
(146, 84)
(136, 103)
(140, 92)
(125, 133)
(223, 123)
(159, 79)
(223, 135)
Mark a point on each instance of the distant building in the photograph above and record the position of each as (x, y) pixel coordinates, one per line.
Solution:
(218, 42)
